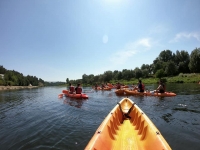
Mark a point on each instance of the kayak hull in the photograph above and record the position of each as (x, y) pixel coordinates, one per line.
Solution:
(66, 92)
(136, 131)
(119, 91)
(104, 89)
(166, 94)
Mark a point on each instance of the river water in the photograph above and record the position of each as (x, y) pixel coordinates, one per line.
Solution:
(38, 119)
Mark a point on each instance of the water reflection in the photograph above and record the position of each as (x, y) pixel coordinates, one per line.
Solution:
(74, 102)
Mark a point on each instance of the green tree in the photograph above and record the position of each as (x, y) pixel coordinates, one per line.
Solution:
(138, 73)
(160, 73)
(2, 70)
(171, 68)
(166, 55)
(157, 65)
(195, 61)
(182, 60)
(119, 75)
(145, 73)
(115, 74)
(67, 80)
(107, 76)
(85, 78)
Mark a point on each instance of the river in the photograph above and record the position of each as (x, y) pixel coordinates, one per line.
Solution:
(38, 119)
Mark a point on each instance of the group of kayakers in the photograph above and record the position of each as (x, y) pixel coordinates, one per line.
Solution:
(109, 86)
(76, 90)
(140, 87)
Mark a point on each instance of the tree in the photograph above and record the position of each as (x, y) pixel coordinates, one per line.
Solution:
(138, 73)
(119, 75)
(195, 61)
(127, 74)
(115, 74)
(85, 78)
(158, 65)
(171, 68)
(160, 73)
(166, 55)
(2, 70)
(67, 80)
(145, 73)
(182, 60)
(108, 76)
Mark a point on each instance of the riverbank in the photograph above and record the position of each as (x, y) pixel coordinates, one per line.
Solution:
(16, 87)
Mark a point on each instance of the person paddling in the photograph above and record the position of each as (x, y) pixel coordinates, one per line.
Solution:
(161, 88)
(78, 89)
(118, 86)
(140, 86)
(96, 86)
(71, 89)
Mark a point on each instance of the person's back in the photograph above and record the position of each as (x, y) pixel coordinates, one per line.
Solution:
(95, 87)
(102, 86)
(71, 89)
(118, 86)
(140, 86)
(162, 88)
(78, 89)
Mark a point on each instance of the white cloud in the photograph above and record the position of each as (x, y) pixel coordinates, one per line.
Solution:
(130, 49)
(159, 29)
(185, 35)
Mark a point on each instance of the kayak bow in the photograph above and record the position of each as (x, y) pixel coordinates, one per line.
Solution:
(127, 127)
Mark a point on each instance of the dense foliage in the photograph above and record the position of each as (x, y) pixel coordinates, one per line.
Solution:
(167, 64)
(14, 78)
(54, 83)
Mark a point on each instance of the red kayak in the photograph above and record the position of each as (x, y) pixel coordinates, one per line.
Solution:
(66, 92)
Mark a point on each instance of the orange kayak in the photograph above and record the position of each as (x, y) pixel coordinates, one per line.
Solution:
(105, 89)
(127, 127)
(66, 92)
(119, 91)
(166, 94)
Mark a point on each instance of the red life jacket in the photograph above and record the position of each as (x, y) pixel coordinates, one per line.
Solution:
(78, 90)
(71, 89)
(143, 86)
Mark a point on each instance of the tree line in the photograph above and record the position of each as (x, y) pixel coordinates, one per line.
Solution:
(165, 65)
(14, 78)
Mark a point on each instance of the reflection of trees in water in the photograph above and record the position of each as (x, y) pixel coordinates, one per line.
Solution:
(74, 102)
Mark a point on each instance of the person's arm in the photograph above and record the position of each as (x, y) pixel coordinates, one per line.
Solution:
(158, 87)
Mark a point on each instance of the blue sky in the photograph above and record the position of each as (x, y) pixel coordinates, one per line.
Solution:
(59, 39)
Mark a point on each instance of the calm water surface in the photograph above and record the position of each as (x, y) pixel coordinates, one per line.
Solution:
(38, 119)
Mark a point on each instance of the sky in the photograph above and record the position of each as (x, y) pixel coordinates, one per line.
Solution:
(59, 39)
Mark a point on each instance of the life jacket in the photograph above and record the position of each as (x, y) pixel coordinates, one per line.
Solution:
(143, 86)
(118, 86)
(163, 87)
(78, 90)
(71, 89)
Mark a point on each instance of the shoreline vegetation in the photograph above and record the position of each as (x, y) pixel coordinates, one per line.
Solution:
(16, 87)
(181, 78)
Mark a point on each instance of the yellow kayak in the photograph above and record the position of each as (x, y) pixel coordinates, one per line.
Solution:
(127, 127)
